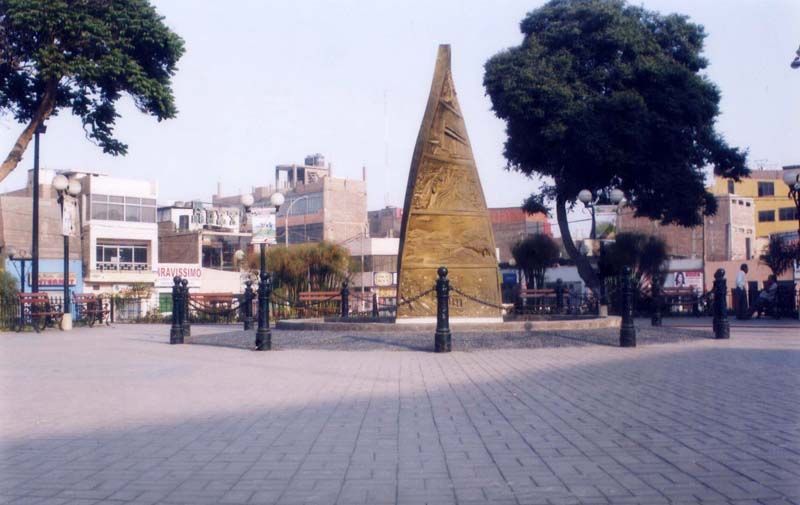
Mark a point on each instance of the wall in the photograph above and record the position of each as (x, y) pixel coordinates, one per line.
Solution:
(345, 207)
(48, 266)
(749, 188)
(511, 224)
(179, 247)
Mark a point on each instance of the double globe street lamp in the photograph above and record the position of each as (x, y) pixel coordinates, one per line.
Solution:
(72, 188)
(263, 333)
(590, 200)
(792, 179)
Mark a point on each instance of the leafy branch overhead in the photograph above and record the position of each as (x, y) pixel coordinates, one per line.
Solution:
(84, 55)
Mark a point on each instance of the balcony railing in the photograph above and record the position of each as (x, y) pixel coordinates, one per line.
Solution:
(121, 266)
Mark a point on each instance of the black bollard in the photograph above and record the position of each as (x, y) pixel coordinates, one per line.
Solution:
(248, 304)
(375, 305)
(345, 292)
(627, 331)
(721, 325)
(176, 332)
(443, 337)
(658, 299)
(185, 326)
(559, 296)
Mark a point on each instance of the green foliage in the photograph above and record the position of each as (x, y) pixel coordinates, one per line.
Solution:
(534, 255)
(83, 55)
(602, 94)
(320, 266)
(646, 255)
(780, 255)
(8, 285)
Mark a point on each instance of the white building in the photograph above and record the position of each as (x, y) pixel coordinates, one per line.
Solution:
(379, 259)
(120, 234)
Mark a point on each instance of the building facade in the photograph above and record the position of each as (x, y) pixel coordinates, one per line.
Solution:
(512, 224)
(775, 212)
(317, 206)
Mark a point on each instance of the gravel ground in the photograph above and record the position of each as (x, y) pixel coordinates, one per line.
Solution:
(462, 340)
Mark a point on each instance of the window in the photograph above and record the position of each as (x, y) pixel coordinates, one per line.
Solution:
(122, 208)
(766, 188)
(766, 215)
(787, 213)
(731, 187)
(183, 222)
(121, 257)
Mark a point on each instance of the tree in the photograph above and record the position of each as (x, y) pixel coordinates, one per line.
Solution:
(300, 267)
(83, 55)
(780, 255)
(603, 95)
(646, 255)
(534, 255)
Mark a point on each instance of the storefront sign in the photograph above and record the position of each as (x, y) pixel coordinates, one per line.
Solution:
(263, 223)
(50, 279)
(383, 279)
(167, 271)
(69, 217)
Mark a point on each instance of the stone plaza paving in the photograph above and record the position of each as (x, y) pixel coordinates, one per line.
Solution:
(118, 416)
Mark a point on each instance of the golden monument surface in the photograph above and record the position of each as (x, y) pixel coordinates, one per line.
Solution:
(445, 220)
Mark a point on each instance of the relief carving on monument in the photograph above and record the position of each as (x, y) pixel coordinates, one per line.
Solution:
(445, 220)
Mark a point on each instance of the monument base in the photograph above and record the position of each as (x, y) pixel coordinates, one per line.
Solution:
(453, 320)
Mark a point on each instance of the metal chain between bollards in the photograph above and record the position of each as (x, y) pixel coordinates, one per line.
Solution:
(476, 299)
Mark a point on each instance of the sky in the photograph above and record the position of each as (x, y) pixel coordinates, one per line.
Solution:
(268, 82)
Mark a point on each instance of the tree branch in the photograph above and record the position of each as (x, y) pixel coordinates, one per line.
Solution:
(46, 107)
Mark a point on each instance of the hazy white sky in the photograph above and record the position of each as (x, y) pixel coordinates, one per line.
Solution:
(267, 82)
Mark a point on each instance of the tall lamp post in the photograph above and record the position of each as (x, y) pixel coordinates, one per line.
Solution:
(66, 187)
(35, 231)
(263, 333)
(792, 179)
(588, 198)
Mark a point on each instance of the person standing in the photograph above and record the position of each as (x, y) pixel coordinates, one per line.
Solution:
(741, 292)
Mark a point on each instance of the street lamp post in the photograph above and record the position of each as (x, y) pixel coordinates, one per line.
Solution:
(65, 187)
(35, 231)
(263, 333)
(588, 198)
(793, 181)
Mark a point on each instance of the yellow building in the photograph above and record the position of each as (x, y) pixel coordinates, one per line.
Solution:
(774, 211)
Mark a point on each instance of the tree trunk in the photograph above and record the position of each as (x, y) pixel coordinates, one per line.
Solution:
(585, 269)
(43, 112)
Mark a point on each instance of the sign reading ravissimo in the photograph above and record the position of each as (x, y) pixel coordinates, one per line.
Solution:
(167, 271)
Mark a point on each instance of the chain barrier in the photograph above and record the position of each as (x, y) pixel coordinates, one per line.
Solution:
(234, 308)
(476, 299)
(407, 301)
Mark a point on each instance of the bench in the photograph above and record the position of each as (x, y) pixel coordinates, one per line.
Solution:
(319, 303)
(38, 310)
(214, 306)
(538, 301)
(90, 308)
(684, 298)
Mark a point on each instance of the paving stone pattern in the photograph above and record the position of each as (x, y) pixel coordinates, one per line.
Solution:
(117, 416)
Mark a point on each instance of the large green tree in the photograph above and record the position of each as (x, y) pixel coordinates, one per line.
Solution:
(604, 95)
(83, 55)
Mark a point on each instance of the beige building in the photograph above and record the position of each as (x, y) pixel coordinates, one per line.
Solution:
(317, 206)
